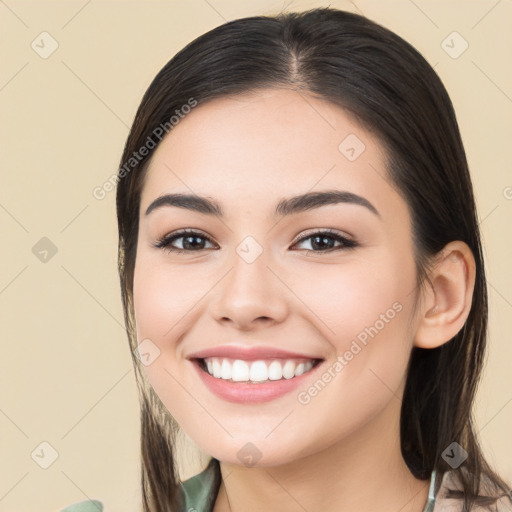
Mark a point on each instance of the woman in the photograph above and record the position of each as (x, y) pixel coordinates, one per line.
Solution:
(302, 275)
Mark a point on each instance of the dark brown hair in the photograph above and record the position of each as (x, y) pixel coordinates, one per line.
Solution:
(392, 91)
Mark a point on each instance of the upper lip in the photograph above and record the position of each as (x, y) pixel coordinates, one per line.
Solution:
(248, 353)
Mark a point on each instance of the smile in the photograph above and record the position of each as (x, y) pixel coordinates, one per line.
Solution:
(239, 370)
(247, 382)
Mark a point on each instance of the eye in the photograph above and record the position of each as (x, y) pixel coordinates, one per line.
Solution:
(189, 243)
(322, 240)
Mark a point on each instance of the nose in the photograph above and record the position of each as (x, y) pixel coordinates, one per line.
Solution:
(250, 295)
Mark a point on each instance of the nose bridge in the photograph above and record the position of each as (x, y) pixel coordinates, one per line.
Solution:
(250, 290)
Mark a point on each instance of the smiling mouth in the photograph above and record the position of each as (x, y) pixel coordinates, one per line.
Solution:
(256, 371)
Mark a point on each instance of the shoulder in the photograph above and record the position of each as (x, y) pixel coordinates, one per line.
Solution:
(84, 506)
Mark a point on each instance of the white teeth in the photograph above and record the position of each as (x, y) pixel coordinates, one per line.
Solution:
(275, 371)
(240, 371)
(217, 370)
(289, 370)
(300, 369)
(256, 371)
(225, 370)
(259, 371)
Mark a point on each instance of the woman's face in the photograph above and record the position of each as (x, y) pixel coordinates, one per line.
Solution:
(245, 280)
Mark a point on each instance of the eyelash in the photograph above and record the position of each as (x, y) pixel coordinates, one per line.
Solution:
(165, 242)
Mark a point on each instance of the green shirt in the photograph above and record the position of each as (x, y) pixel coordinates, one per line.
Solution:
(200, 492)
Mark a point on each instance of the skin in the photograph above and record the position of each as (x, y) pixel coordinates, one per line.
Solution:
(340, 451)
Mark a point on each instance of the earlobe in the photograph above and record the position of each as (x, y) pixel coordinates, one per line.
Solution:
(447, 303)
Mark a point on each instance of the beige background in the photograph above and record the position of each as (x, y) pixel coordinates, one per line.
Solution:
(67, 378)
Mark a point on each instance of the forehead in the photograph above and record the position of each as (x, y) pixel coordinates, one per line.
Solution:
(267, 144)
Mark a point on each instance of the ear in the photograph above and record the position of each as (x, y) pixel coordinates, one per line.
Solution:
(448, 301)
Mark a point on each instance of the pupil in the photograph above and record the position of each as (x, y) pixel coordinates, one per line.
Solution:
(323, 238)
(188, 238)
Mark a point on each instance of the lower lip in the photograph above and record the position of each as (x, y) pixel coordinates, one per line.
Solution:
(248, 392)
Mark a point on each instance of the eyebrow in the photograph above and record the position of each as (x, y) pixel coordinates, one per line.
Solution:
(284, 207)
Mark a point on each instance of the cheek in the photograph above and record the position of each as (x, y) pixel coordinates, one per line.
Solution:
(363, 311)
(364, 315)
(163, 296)
(152, 302)
(164, 300)
(346, 299)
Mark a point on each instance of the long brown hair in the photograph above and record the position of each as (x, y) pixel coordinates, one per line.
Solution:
(391, 90)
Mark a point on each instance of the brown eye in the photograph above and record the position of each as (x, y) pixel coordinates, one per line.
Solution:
(323, 241)
(192, 241)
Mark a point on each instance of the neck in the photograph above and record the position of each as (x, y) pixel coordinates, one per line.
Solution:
(357, 474)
